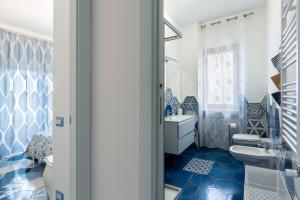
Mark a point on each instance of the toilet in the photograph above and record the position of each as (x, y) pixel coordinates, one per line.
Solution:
(248, 140)
(48, 177)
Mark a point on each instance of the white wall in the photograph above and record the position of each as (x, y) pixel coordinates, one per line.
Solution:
(183, 77)
(189, 59)
(256, 57)
(274, 38)
(250, 34)
(121, 99)
(173, 72)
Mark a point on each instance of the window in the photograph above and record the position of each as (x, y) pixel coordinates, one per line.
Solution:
(221, 78)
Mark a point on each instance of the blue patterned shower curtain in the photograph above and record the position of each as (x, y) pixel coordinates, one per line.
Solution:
(26, 87)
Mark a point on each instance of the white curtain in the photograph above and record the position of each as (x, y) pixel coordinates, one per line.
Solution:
(221, 85)
(26, 91)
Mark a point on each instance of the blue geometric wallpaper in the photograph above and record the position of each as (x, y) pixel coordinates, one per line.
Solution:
(26, 87)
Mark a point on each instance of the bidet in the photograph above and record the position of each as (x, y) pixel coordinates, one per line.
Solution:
(255, 156)
(265, 145)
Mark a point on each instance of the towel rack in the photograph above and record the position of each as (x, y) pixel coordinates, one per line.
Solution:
(178, 34)
(290, 76)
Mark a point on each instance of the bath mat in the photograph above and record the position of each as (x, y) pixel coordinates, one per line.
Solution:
(199, 166)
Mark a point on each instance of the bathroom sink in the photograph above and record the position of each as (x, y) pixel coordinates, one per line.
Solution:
(178, 118)
(178, 133)
(255, 156)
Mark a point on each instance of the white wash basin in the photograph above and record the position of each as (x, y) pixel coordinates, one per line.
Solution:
(255, 156)
(178, 118)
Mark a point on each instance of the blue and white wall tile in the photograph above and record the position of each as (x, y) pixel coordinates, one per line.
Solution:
(172, 101)
(257, 123)
(190, 103)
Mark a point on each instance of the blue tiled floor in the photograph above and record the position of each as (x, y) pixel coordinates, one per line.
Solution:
(224, 182)
(20, 178)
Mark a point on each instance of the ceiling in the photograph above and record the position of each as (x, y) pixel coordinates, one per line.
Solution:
(37, 15)
(29, 15)
(190, 11)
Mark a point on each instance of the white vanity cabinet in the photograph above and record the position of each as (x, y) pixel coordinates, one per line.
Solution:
(178, 133)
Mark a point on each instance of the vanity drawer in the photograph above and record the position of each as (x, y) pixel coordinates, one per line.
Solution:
(185, 142)
(185, 127)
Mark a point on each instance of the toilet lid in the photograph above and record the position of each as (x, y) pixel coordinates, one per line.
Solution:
(246, 137)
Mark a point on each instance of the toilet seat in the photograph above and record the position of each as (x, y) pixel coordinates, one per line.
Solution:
(246, 139)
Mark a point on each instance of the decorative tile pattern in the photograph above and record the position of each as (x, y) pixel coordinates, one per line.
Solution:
(168, 94)
(171, 100)
(21, 178)
(174, 104)
(225, 180)
(190, 103)
(26, 87)
(257, 123)
(255, 111)
(199, 166)
(255, 127)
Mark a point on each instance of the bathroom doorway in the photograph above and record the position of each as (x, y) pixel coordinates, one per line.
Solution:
(212, 52)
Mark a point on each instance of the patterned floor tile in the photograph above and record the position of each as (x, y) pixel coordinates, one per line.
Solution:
(21, 178)
(225, 180)
(210, 193)
(17, 194)
(188, 191)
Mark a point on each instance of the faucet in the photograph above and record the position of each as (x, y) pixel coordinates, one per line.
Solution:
(266, 145)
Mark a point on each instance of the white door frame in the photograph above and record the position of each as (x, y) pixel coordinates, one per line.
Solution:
(72, 59)
(158, 100)
(81, 102)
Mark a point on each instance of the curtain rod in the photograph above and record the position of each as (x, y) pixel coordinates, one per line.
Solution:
(25, 32)
(228, 19)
